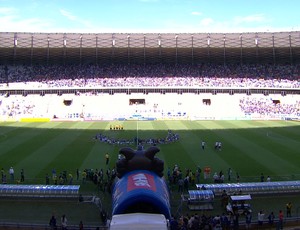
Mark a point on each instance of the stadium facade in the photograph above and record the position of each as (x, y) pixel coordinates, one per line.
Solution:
(76, 48)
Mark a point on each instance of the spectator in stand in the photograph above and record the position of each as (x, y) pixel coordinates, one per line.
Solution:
(47, 179)
(280, 219)
(173, 223)
(248, 219)
(22, 175)
(12, 174)
(260, 218)
(180, 185)
(81, 225)
(106, 158)
(262, 177)
(271, 219)
(52, 222)
(64, 222)
(289, 209)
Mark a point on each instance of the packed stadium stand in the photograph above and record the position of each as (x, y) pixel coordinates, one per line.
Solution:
(149, 76)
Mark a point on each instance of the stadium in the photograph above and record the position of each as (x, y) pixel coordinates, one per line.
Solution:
(172, 54)
(241, 89)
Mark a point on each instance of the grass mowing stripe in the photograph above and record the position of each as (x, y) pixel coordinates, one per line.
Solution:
(22, 130)
(7, 135)
(73, 146)
(28, 140)
(257, 149)
(175, 153)
(38, 212)
(294, 128)
(236, 150)
(260, 136)
(231, 153)
(21, 134)
(160, 125)
(240, 150)
(95, 157)
(208, 156)
(187, 153)
(43, 153)
(8, 129)
(278, 144)
(284, 134)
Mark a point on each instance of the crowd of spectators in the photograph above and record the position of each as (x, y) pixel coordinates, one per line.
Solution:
(19, 106)
(266, 106)
(203, 221)
(153, 75)
(156, 75)
(228, 221)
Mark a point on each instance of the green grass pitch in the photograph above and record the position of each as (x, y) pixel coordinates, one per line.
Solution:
(248, 147)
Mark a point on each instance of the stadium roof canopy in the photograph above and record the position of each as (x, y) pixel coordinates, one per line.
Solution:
(76, 48)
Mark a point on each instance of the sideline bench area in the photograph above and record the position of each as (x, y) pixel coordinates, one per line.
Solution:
(199, 199)
(253, 187)
(39, 191)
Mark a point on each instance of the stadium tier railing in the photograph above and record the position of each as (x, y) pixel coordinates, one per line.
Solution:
(253, 187)
(40, 191)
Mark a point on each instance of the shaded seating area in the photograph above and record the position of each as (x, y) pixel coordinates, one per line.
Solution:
(253, 187)
(39, 191)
